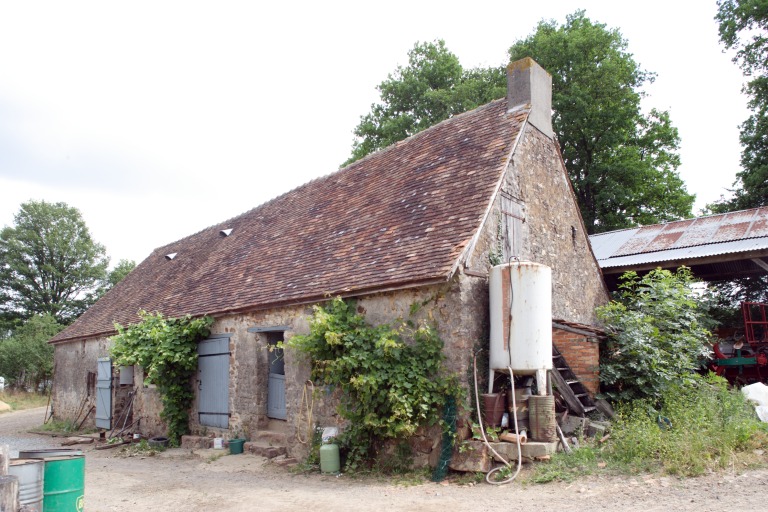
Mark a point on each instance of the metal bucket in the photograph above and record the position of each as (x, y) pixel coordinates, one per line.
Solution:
(30, 474)
(493, 408)
(64, 484)
(541, 415)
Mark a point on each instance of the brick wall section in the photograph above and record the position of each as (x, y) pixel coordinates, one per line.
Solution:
(582, 354)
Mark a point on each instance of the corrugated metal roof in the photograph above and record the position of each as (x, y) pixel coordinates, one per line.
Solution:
(713, 235)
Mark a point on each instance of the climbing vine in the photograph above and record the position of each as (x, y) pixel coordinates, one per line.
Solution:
(391, 379)
(166, 348)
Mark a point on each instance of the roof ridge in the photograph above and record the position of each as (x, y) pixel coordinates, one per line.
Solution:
(378, 153)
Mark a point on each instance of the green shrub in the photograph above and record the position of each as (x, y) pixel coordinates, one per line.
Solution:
(391, 380)
(657, 335)
(166, 348)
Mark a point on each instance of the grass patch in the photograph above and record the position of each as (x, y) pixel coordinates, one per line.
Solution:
(565, 467)
(699, 427)
(63, 428)
(19, 400)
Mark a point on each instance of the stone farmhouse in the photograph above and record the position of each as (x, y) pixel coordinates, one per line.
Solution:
(423, 220)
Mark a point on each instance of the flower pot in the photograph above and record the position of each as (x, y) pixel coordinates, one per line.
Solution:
(236, 446)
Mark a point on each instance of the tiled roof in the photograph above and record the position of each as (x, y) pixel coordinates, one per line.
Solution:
(400, 217)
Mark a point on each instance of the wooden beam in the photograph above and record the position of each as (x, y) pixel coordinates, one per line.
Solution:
(760, 263)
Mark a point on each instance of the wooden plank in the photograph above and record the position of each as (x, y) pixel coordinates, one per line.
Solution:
(573, 403)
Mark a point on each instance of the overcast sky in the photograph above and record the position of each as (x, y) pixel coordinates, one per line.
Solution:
(157, 119)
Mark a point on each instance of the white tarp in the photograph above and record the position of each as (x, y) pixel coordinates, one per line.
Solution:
(758, 394)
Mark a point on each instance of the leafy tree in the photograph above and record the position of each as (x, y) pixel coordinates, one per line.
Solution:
(744, 27)
(432, 88)
(49, 264)
(657, 334)
(26, 357)
(622, 164)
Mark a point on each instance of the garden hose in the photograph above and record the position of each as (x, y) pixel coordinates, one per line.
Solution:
(485, 439)
(307, 404)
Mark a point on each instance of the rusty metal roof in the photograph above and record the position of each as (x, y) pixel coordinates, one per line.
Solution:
(729, 233)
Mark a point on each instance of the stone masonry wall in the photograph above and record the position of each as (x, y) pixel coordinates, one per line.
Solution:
(582, 354)
(552, 230)
(71, 392)
(457, 308)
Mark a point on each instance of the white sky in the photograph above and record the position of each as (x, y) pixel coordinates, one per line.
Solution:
(158, 119)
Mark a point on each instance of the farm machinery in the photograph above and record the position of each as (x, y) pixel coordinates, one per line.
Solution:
(743, 358)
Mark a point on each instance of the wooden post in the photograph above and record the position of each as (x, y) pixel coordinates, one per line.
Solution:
(5, 459)
(9, 493)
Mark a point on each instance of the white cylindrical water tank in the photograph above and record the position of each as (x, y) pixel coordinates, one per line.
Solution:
(521, 317)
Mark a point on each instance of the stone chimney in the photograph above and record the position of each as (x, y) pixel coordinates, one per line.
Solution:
(530, 86)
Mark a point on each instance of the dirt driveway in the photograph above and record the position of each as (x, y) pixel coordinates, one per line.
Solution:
(180, 480)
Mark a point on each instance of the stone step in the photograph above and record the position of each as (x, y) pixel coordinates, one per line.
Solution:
(263, 449)
(270, 437)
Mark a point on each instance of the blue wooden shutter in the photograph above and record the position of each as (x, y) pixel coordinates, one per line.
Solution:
(104, 393)
(213, 382)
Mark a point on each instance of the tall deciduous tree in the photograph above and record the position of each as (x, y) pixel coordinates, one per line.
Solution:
(431, 88)
(26, 358)
(49, 264)
(622, 164)
(744, 28)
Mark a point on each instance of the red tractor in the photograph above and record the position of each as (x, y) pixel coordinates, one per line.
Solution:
(744, 359)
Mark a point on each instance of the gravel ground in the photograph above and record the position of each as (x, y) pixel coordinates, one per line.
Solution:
(204, 480)
(14, 427)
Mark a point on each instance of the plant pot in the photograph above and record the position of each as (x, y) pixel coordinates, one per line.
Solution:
(236, 446)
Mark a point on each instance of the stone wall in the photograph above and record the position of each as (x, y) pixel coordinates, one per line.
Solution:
(72, 389)
(551, 231)
(458, 309)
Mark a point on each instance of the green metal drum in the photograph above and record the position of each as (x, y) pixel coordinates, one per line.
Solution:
(64, 484)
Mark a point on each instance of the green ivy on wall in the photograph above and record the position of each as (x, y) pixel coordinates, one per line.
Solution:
(391, 379)
(166, 348)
